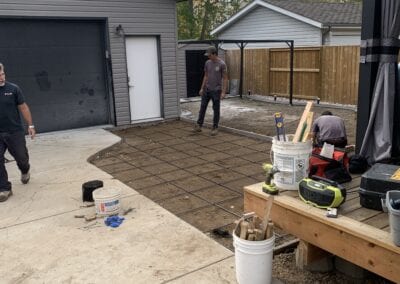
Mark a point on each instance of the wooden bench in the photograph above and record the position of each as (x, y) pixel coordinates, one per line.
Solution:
(359, 235)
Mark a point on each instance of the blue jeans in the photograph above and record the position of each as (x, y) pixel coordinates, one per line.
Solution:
(16, 145)
(215, 96)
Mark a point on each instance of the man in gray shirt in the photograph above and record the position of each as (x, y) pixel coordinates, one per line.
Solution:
(330, 129)
(213, 88)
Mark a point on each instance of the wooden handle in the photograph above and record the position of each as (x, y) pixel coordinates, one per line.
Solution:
(267, 212)
(270, 230)
(243, 229)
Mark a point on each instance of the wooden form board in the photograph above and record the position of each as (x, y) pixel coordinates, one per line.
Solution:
(303, 120)
(359, 243)
(309, 121)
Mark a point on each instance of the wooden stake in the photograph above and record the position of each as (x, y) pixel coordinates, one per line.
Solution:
(303, 120)
(236, 231)
(259, 234)
(251, 237)
(309, 121)
(267, 211)
(270, 230)
(257, 222)
(243, 229)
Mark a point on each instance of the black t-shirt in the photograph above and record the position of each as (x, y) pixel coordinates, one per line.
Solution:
(10, 97)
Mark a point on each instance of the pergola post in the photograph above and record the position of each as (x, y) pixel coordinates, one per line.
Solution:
(241, 69)
(242, 44)
(291, 45)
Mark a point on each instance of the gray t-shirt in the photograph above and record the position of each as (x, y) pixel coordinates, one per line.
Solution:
(10, 98)
(215, 71)
(329, 127)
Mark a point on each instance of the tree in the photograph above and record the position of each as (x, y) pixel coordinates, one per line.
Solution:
(196, 18)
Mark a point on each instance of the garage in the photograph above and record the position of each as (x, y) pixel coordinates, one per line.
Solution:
(61, 68)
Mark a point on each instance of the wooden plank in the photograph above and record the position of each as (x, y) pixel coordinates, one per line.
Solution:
(354, 241)
(362, 214)
(353, 184)
(302, 121)
(379, 221)
(294, 70)
(329, 73)
(309, 121)
(350, 205)
(297, 96)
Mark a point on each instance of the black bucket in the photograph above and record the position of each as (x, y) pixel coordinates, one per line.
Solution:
(88, 188)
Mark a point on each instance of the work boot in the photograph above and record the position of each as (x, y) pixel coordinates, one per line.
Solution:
(197, 128)
(4, 195)
(214, 131)
(25, 178)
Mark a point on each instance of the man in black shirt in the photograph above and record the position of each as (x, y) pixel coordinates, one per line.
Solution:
(12, 134)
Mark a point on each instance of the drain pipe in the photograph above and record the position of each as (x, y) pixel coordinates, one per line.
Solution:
(327, 30)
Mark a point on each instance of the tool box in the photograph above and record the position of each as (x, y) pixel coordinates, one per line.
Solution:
(379, 179)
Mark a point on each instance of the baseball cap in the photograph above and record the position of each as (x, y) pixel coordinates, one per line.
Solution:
(210, 50)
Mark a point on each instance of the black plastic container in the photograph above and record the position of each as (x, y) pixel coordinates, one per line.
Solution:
(379, 179)
(88, 188)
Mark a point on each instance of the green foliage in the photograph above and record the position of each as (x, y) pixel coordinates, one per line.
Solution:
(196, 18)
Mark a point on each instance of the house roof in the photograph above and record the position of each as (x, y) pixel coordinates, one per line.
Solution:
(318, 14)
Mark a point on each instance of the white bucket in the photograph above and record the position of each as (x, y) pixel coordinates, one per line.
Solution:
(253, 260)
(106, 201)
(292, 160)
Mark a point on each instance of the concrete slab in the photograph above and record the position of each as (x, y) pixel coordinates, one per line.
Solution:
(36, 201)
(220, 272)
(151, 246)
(42, 242)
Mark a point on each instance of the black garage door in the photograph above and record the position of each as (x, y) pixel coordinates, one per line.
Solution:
(60, 66)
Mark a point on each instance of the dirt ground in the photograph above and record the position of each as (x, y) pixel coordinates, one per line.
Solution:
(255, 114)
(200, 178)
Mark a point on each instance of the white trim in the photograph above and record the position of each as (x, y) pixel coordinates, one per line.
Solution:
(271, 7)
(339, 27)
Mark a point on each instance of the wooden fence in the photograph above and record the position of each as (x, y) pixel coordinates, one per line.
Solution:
(329, 72)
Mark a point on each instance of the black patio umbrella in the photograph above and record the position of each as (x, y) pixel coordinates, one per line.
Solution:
(378, 141)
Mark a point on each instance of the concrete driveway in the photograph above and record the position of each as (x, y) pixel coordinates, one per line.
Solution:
(42, 242)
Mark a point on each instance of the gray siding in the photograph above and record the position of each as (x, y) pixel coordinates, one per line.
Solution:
(262, 23)
(140, 17)
(343, 37)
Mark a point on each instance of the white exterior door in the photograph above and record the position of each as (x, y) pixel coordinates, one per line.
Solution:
(143, 78)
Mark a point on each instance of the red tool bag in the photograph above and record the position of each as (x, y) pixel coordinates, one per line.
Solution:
(335, 169)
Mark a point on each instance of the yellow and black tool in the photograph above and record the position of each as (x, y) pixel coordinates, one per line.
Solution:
(280, 129)
(269, 186)
(321, 192)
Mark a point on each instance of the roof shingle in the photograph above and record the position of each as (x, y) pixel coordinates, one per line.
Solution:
(323, 12)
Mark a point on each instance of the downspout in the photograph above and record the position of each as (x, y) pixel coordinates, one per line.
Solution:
(327, 30)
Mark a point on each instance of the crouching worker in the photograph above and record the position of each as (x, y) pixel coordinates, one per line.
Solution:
(330, 129)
